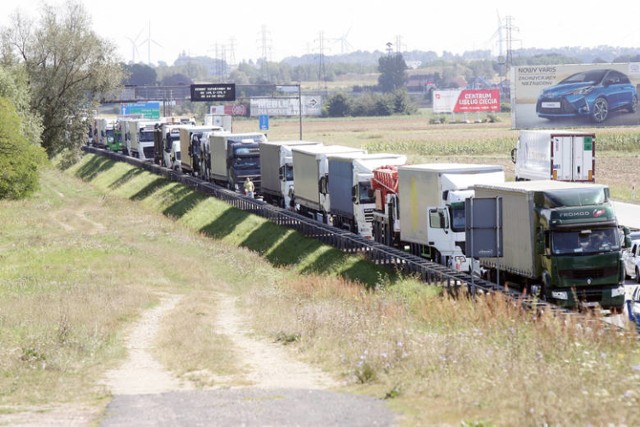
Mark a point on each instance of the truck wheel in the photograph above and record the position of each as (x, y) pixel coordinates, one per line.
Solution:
(600, 110)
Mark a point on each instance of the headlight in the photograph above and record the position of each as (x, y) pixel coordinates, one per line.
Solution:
(560, 295)
(617, 291)
(583, 91)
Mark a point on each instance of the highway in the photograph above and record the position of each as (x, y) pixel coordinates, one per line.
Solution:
(628, 214)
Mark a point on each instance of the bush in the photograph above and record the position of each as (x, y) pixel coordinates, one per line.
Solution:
(19, 159)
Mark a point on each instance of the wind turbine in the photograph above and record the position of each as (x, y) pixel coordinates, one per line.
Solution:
(148, 41)
(345, 46)
(134, 46)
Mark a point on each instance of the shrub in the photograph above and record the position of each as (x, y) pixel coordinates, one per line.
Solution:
(19, 159)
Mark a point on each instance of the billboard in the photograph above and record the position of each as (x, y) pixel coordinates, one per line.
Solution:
(311, 106)
(466, 101)
(570, 96)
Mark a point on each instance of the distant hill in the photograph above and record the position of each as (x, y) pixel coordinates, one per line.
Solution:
(580, 54)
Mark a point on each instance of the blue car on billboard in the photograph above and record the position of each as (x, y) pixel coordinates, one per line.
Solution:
(590, 94)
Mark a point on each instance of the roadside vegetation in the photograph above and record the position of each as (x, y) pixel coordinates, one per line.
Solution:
(83, 260)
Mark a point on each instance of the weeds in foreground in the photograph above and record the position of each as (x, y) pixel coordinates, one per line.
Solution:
(488, 359)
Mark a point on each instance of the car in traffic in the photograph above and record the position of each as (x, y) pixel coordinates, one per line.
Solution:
(633, 307)
(591, 94)
(631, 258)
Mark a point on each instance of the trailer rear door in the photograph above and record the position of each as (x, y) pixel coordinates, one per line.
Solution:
(573, 158)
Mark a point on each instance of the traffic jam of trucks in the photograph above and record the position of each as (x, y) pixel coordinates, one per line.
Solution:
(562, 241)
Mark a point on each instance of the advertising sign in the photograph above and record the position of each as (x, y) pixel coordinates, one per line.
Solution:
(311, 106)
(466, 101)
(146, 110)
(229, 110)
(569, 96)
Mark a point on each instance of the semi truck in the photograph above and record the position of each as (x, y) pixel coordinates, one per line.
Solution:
(192, 140)
(561, 242)
(421, 208)
(104, 136)
(560, 155)
(230, 158)
(139, 139)
(276, 170)
(310, 169)
(167, 141)
(349, 185)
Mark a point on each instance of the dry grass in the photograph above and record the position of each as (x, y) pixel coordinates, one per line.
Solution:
(447, 361)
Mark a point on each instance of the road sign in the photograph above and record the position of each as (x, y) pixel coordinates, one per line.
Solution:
(264, 122)
(213, 92)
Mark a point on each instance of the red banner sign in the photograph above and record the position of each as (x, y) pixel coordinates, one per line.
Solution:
(477, 100)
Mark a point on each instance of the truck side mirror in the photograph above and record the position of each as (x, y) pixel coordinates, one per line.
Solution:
(626, 242)
(540, 246)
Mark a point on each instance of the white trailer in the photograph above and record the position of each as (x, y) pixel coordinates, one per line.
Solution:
(139, 140)
(558, 155)
(310, 169)
(431, 204)
(276, 170)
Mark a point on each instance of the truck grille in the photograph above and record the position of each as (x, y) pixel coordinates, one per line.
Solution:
(368, 215)
(594, 273)
(565, 107)
(148, 152)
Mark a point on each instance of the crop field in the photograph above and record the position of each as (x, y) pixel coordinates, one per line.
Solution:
(617, 149)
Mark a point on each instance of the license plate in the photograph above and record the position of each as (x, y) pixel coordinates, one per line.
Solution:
(550, 105)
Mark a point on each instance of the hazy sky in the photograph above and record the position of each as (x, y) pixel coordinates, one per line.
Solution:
(249, 29)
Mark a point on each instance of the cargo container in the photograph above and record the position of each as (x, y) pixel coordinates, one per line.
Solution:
(559, 155)
(421, 208)
(349, 185)
(276, 170)
(310, 169)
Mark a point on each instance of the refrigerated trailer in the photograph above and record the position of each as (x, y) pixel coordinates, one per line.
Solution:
(559, 155)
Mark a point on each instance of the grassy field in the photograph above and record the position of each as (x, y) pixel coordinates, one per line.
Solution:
(617, 149)
(101, 242)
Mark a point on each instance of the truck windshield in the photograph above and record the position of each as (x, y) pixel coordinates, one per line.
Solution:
(585, 241)
(146, 136)
(109, 134)
(247, 163)
(365, 192)
(457, 217)
(288, 173)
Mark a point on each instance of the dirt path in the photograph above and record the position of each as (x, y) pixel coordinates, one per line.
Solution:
(141, 373)
(270, 366)
(283, 391)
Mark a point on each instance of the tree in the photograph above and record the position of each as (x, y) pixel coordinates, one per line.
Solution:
(69, 68)
(19, 159)
(392, 72)
(140, 75)
(15, 87)
(338, 106)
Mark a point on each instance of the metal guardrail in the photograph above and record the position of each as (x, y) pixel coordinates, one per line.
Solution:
(345, 241)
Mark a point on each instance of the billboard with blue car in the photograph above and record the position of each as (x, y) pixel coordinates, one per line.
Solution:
(569, 96)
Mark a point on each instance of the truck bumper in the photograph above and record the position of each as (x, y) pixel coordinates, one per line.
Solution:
(606, 297)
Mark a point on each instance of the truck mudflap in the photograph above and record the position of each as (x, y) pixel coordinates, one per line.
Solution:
(605, 297)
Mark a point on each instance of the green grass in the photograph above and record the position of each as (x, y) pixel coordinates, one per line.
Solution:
(84, 257)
